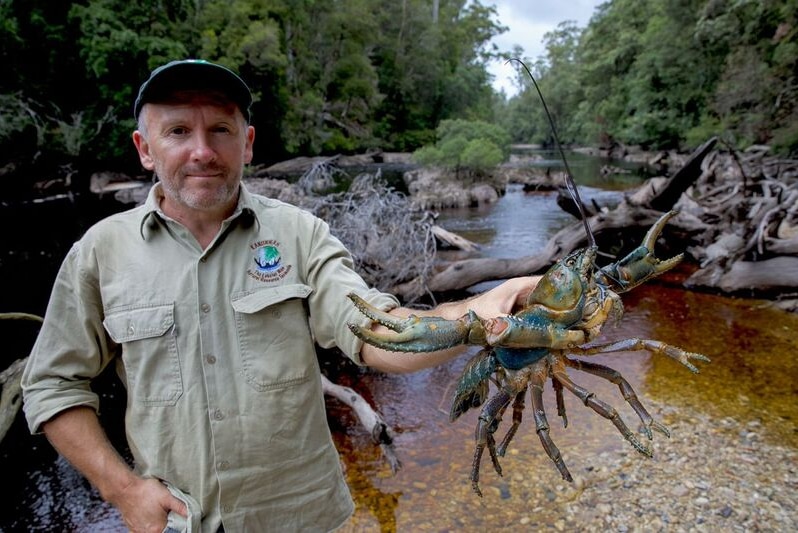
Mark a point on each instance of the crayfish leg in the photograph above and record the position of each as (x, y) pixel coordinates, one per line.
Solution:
(602, 408)
(560, 402)
(613, 376)
(518, 411)
(486, 426)
(542, 426)
(494, 458)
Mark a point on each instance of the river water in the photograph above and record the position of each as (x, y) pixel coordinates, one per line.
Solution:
(751, 345)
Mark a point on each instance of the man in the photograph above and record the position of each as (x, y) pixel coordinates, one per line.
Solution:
(208, 299)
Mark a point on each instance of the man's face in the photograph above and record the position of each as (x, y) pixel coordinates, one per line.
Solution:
(197, 145)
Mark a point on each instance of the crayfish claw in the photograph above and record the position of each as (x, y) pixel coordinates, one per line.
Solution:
(684, 357)
(381, 317)
(641, 264)
(650, 240)
(414, 333)
(661, 428)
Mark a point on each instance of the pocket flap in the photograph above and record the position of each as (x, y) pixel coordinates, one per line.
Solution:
(132, 324)
(254, 301)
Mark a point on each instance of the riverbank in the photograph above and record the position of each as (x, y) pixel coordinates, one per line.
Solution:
(711, 475)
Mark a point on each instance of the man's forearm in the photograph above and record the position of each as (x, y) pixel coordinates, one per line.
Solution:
(501, 300)
(77, 435)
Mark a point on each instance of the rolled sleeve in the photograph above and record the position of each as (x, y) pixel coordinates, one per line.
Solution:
(332, 275)
(71, 349)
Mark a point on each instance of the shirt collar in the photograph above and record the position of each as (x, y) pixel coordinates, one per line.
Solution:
(152, 209)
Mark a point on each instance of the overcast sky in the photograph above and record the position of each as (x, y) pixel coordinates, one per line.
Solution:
(527, 21)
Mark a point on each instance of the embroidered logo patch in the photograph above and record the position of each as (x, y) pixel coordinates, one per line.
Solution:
(268, 261)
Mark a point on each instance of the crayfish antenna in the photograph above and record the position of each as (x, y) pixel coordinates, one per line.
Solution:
(569, 179)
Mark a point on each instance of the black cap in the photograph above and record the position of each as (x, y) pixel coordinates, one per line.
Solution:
(193, 74)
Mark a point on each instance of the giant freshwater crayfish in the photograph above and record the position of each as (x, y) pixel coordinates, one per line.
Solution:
(562, 316)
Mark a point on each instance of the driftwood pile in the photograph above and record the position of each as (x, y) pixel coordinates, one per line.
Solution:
(738, 221)
(390, 240)
(749, 204)
(738, 216)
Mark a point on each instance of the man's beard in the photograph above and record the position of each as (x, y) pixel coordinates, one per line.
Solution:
(201, 198)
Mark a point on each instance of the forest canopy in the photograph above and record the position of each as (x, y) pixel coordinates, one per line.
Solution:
(668, 74)
(343, 77)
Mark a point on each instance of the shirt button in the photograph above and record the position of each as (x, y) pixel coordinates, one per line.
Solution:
(276, 313)
(218, 414)
(226, 508)
(205, 308)
(224, 465)
(211, 359)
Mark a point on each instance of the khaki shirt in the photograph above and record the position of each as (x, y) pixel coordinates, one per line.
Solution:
(216, 350)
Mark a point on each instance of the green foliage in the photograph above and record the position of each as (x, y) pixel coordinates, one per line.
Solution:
(481, 155)
(326, 75)
(663, 73)
(332, 76)
(470, 147)
(785, 138)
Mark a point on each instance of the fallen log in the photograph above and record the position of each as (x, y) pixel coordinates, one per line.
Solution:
(771, 275)
(682, 179)
(11, 381)
(454, 240)
(783, 246)
(369, 418)
(462, 274)
(11, 396)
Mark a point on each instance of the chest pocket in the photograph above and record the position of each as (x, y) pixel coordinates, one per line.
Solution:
(274, 339)
(149, 352)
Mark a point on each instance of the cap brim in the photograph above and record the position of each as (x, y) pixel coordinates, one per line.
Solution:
(194, 75)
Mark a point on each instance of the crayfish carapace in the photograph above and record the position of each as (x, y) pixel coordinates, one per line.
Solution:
(560, 318)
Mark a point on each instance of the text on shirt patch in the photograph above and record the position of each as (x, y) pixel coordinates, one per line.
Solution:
(268, 262)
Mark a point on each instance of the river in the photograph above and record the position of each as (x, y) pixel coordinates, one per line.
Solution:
(751, 345)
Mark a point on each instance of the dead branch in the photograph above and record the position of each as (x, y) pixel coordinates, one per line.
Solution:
(390, 240)
(368, 417)
(11, 396)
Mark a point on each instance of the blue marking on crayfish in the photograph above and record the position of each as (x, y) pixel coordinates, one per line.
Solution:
(516, 359)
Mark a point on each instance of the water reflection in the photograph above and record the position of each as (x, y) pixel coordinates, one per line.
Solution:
(519, 223)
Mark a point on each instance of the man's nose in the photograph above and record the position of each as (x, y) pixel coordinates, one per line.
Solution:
(202, 147)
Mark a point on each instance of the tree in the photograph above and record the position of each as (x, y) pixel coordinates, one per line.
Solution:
(469, 148)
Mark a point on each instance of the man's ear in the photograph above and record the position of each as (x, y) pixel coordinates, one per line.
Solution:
(143, 148)
(248, 153)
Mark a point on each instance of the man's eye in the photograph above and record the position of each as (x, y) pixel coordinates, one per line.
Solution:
(178, 131)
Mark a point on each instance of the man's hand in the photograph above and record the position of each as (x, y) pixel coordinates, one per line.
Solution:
(145, 504)
(503, 299)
